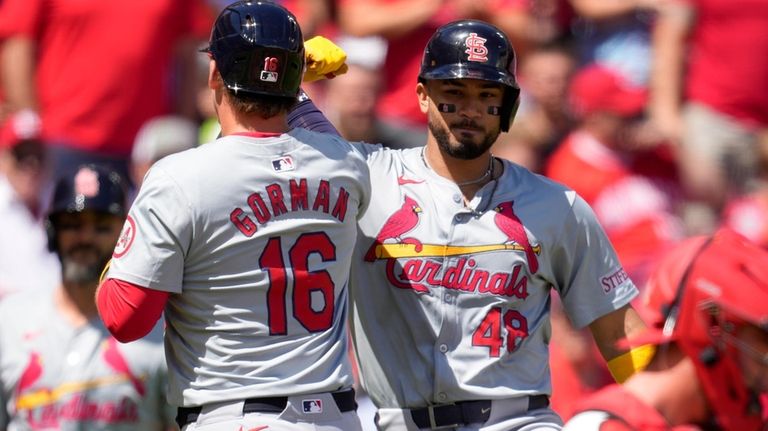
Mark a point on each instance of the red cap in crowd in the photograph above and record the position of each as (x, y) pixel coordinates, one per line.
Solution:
(597, 88)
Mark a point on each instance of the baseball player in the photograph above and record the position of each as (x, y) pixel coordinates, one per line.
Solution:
(59, 367)
(246, 244)
(458, 254)
(707, 304)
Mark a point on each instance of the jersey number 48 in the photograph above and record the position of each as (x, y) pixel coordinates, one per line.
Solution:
(490, 332)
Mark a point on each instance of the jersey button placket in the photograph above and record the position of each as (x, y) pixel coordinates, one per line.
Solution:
(448, 332)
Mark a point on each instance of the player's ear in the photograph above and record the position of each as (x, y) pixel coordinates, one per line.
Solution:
(214, 77)
(216, 83)
(421, 94)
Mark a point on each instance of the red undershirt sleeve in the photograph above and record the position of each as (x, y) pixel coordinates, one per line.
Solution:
(129, 311)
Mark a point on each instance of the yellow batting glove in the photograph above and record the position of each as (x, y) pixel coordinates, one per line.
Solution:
(324, 59)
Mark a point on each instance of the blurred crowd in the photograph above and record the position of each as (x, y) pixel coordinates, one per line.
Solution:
(654, 111)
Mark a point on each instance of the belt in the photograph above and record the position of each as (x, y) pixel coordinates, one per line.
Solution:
(464, 412)
(345, 401)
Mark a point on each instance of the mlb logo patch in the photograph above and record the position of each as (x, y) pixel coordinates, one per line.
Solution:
(283, 164)
(312, 406)
(268, 76)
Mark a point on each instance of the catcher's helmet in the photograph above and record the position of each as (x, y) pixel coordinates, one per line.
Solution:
(89, 188)
(471, 49)
(258, 48)
(702, 292)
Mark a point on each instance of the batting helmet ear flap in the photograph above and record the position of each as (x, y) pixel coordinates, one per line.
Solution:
(509, 108)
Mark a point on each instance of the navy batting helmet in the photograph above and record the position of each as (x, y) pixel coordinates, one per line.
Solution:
(258, 48)
(90, 188)
(471, 49)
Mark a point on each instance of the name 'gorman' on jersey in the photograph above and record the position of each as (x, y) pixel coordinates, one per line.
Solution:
(275, 204)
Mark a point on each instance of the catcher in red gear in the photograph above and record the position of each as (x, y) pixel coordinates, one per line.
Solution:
(707, 307)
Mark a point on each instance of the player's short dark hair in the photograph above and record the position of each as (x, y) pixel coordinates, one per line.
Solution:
(263, 105)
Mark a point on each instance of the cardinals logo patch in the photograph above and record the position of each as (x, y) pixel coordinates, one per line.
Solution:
(126, 238)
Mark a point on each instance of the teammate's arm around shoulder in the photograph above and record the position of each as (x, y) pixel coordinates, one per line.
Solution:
(328, 60)
(613, 327)
(306, 115)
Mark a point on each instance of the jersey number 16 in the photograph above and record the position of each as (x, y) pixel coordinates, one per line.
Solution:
(305, 282)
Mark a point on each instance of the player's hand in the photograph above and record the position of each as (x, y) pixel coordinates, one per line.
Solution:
(324, 59)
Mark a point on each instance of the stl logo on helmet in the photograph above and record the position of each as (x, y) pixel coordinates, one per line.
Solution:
(269, 73)
(126, 238)
(476, 49)
(87, 182)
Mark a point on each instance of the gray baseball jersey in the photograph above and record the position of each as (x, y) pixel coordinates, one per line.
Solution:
(54, 376)
(253, 237)
(451, 303)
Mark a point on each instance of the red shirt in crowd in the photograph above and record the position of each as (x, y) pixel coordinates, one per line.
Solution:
(728, 58)
(632, 196)
(103, 67)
